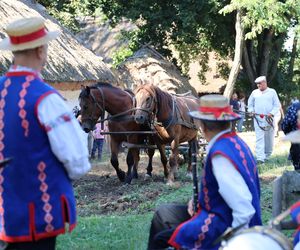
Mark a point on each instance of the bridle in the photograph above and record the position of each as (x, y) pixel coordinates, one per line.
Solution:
(152, 113)
(96, 104)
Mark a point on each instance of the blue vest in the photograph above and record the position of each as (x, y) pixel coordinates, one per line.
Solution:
(36, 195)
(214, 215)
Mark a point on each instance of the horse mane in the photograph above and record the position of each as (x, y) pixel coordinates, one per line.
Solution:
(84, 93)
(162, 96)
(129, 91)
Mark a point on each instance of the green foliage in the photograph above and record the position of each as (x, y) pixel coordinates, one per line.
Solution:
(275, 15)
(66, 11)
(131, 38)
(191, 27)
(121, 55)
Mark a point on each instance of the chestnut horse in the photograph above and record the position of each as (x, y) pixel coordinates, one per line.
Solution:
(101, 97)
(155, 106)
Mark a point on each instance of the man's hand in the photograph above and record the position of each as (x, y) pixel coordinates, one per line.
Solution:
(191, 207)
(251, 114)
(270, 115)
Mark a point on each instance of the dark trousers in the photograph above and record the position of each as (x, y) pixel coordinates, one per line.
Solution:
(43, 244)
(97, 145)
(165, 220)
(295, 155)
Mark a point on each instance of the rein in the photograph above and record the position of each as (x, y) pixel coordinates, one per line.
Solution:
(116, 117)
(269, 119)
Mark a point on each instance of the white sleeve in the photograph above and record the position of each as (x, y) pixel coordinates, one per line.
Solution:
(233, 190)
(67, 139)
(250, 103)
(276, 104)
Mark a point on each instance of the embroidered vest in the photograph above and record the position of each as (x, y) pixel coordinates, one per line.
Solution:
(36, 195)
(214, 215)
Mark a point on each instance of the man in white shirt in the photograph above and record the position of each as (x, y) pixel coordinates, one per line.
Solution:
(263, 103)
(46, 142)
(229, 193)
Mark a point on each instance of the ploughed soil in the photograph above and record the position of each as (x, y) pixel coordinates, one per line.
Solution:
(100, 192)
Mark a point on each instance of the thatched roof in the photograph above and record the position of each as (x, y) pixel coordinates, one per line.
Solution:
(148, 66)
(68, 61)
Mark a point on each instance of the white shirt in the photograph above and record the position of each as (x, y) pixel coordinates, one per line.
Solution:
(67, 139)
(264, 102)
(232, 187)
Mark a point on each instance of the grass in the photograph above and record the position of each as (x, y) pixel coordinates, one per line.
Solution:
(130, 230)
(107, 232)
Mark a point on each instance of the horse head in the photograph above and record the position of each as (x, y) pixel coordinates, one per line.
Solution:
(92, 107)
(146, 103)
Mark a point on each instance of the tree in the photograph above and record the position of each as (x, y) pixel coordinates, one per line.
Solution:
(193, 28)
(239, 46)
(266, 24)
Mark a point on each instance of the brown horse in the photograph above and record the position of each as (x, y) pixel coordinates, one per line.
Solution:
(97, 99)
(155, 106)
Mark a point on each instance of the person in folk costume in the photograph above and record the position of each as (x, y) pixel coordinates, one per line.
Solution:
(288, 125)
(229, 193)
(263, 104)
(45, 140)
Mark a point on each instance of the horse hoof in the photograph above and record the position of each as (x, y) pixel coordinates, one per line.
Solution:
(128, 179)
(121, 176)
(170, 183)
(147, 176)
(189, 175)
(173, 184)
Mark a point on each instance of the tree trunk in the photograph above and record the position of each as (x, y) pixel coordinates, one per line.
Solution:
(293, 57)
(239, 44)
(265, 54)
(276, 51)
(247, 66)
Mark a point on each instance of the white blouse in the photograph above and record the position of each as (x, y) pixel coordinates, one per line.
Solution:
(67, 139)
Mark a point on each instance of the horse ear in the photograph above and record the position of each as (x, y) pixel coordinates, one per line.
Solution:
(88, 90)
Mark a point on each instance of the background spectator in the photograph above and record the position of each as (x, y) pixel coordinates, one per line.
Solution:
(98, 140)
(242, 113)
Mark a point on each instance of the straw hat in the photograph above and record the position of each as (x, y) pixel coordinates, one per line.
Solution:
(27, 33)
(214, 108)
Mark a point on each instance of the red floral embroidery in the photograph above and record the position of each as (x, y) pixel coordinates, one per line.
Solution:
(205, 191)
(204, 230)
(45, 197)
(22, 103)
(244, 161)
(2, 146)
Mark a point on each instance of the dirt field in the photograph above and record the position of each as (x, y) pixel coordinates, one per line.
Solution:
(100, 192)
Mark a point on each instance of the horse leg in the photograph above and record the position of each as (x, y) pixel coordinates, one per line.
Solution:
(173, 161)
(114, 146)
(136, 159)
(132, 160)
(163, 158)
(150, 153)
(189, 168)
